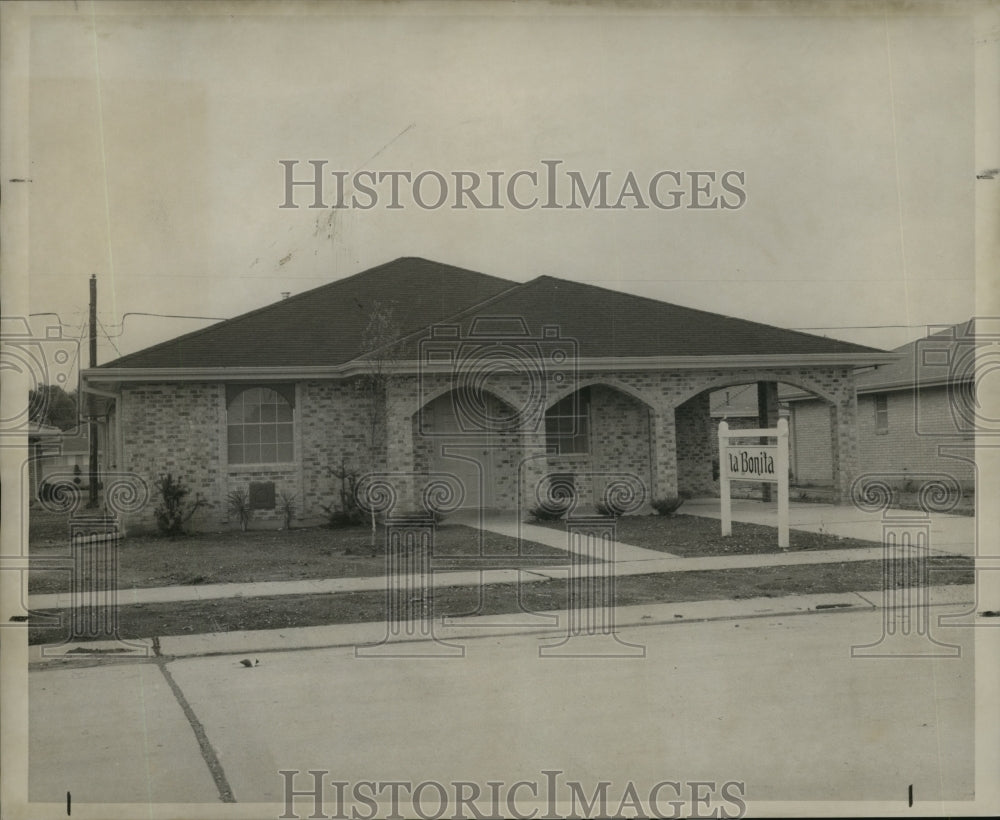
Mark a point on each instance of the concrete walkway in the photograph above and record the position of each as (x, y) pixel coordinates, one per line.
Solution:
(510, 526)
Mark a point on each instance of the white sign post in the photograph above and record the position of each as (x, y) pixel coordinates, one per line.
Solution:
(755, 462)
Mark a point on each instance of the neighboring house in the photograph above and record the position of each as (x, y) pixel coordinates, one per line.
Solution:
(911, 414)
(43, 445)
(494, 381)
(738, 406)
(54, 453)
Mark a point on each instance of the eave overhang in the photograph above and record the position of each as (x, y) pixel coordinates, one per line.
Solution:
(104, 380)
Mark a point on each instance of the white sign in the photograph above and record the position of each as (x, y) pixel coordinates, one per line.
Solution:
(755, 462)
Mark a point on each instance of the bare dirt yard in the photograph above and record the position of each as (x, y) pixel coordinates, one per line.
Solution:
(271, 555)
(274, 555)
(691, 536)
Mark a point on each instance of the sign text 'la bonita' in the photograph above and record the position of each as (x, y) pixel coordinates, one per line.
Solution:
(752, 462)
(765, 462)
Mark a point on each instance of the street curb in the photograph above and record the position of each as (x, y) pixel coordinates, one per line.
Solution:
(336, 636)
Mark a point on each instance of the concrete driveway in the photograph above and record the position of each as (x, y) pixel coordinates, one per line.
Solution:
(955, 534)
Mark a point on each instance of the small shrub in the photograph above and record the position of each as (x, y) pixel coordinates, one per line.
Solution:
(546, 514)
(346, 512)
(173, 512)
(239, 507)
(286, 506)
(668, 506)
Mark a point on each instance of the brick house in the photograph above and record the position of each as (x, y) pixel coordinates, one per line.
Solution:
(911, 414)
(494, 382)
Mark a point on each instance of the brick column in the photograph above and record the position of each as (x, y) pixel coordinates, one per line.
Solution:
(401, 400)
(532, 467)
(664, 453)
(844, 445)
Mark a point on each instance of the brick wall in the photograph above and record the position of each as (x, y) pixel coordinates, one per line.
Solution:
(900, 448)
(175, 428)
(334, 424)
(181, 428)
(812, 457)
(620, 440)
(697, 447)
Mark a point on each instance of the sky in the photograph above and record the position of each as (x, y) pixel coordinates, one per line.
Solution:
(156, 135)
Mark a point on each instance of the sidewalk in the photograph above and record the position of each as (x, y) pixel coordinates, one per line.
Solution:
(636, 566)
(949, 601)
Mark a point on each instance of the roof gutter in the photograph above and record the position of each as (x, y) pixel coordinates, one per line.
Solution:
(89, 388)
(92, 376)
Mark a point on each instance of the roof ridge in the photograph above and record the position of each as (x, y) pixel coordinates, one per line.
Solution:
(702, 311)
(297, 297)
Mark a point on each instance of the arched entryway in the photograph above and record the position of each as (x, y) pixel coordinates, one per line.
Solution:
(599, 432)
(479, 448)
(812, 426)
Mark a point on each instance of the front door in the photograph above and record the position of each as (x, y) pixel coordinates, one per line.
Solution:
(464, 454)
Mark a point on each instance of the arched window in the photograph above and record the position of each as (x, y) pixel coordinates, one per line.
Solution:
(567, 424)
(260, 424)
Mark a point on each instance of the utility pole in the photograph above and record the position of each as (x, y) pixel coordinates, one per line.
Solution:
(92, 423)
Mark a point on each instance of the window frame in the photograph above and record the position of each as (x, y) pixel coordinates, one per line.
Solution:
(568, 443)
(881, 406)
(260, 424)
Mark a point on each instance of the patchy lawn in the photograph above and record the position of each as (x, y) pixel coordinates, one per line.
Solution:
(276, 555)
(237, 614)
(694, 536)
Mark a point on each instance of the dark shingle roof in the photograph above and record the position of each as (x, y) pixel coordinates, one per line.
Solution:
(324, 326)
(945, 356)
(611, 323)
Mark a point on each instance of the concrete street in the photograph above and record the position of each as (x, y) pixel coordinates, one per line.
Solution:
(777, 702)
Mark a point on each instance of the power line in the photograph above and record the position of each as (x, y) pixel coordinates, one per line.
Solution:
(861, 327)
(101, 325)
(169, 316)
